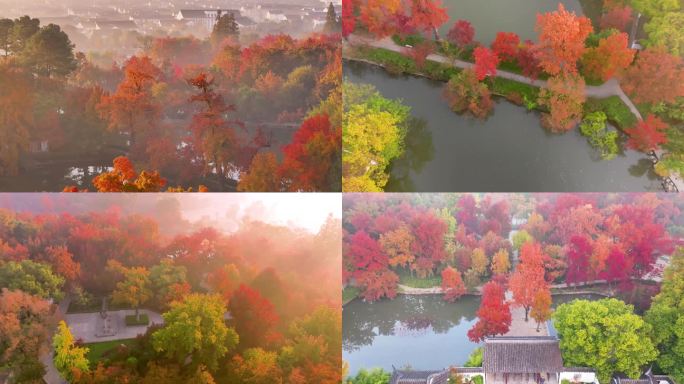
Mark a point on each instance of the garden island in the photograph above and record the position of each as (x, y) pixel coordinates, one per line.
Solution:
(492, 95)
(513, 288)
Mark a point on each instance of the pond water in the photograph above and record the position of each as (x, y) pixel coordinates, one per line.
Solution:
(509, 151)
(422, 331)
(491, 16)
(54, 177)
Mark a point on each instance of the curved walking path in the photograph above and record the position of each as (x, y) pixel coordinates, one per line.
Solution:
(605, 90)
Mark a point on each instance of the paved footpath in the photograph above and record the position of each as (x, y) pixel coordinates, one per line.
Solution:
(605, 90)
(82, 325)
(520, 327)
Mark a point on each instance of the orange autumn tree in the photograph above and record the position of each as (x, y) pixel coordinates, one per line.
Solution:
(123, 178)
(132, 107)
(262, 174)
(528, 278)
(564, 97)
(16, 118)
(397, 246)
(377, 16)
(541, 306)
(561, 40)
(452, 284)
(213, 135)
(610, 56)
(655, 76)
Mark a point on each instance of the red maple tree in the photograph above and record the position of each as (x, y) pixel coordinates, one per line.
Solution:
(452, 284)
(461, 34)
(647, 135)
(494, 314)
(485, 62)
(505, 45)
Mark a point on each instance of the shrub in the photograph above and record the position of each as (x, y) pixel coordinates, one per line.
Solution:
(594, 128)
(465, 94)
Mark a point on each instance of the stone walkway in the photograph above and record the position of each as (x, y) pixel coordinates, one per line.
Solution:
(82, 325)
(520, 327)
(605, 90)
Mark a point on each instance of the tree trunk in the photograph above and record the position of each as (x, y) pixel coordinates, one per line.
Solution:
(527, 310)
(538, 323)
(434, 30)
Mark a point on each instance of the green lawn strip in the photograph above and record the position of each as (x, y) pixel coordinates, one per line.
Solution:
(415, 282)
(142, 319)
(349, 293)
(616, 111)
(97, 350)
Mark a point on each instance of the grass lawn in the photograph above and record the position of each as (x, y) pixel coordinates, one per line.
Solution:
(98, 349)
(349, 294)
(415, 282)
(141, 320)
(616, 111)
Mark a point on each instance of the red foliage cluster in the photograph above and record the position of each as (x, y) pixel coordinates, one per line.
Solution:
(505, 46)
(387, 237)
(494, 315)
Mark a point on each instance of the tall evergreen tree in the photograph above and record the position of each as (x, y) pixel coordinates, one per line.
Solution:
(49, 52)
(22, 30)
(5, 31)
(332, 23)
(225, 27)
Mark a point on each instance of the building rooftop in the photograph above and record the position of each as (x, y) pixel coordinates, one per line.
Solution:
(419, 377)
(522, 355)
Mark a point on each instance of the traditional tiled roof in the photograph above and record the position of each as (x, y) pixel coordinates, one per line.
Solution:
(419, 377)
(468, 369)
(522, 355)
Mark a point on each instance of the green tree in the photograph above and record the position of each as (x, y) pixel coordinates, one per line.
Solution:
(667, 31)
(605, 335)
(374, 376)
(519, 238)
(654, 8)
(225, 27)
(22, 30)
(196, 328)
(332, 23)
(164, 278)
(374, 129)
(475, 358)
(666, 316)
(600, 137)
(68, 357)
(5, 35)
(134, 289)
(31, 277)
(49, 52)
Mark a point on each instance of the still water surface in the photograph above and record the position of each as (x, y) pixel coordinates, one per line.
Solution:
(421, 331)
(491, 16)
(509, 151)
